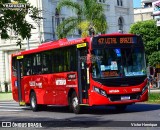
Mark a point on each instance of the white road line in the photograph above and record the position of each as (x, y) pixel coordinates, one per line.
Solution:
(3, 110)
(8, 102)
(11, 107)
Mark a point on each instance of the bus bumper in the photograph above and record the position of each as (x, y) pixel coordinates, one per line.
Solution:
(97, 99)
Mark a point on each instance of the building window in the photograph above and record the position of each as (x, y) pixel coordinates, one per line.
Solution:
(147, 5)
(120, 23)
(102, 1)
(120, 2)
(56, 20)
(108, 7)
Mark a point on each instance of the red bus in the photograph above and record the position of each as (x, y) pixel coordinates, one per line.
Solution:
(107, 69)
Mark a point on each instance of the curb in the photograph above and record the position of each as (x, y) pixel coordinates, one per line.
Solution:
(154, 90)
(6, 100)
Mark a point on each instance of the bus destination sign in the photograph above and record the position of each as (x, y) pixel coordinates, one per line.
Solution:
(116, 40)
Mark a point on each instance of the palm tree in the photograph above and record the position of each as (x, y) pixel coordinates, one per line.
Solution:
(89, 17)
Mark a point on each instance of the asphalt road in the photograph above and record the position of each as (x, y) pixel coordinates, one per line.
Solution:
(137, 116)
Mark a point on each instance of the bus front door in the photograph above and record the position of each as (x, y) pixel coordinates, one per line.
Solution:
(19, 82)
(82, 75)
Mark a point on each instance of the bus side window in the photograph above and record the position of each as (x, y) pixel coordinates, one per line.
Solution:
(64, 59)
(27, 65)
(55, 61)
(72, 62)
(47, 62)
(37, 67)
(28, 71)
(14, 66)
(60, 68)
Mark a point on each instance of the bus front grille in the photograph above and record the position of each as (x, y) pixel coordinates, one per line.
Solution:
(121, 97)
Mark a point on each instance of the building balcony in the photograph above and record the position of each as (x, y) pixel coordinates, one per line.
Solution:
(147, 1)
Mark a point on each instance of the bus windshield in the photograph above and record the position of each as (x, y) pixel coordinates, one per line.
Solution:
(118, 62)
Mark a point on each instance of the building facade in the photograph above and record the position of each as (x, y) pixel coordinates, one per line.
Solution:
(144, 12)
(119, 16)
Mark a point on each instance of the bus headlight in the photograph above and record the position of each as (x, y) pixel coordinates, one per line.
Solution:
(96, 89)
(100, 91)
(145, 88)
(103, 93)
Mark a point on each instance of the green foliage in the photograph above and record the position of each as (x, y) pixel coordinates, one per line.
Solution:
(15, 20)
(154, 98)
(88, 11)
(150, 34)
(147, 29)
(66, 27)
(154, 58)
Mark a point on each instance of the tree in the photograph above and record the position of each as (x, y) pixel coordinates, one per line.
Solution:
(89, 16)
(150, 34)
(15, 20)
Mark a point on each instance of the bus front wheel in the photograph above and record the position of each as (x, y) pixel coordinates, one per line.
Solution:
(75, 103)
(33, 102)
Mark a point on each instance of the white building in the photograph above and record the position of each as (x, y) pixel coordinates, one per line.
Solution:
(144, 12)
(119, 16)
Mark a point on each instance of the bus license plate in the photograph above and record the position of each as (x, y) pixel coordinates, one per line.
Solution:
(125, 97)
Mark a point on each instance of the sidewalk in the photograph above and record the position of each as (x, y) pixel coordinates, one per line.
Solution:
(6, 97)
(154, 90)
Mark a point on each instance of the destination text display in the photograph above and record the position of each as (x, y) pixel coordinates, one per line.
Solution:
(117, 40)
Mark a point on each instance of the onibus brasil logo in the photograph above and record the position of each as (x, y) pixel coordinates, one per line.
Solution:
(14, 6)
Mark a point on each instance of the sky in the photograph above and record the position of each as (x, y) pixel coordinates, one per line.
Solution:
(136, 3)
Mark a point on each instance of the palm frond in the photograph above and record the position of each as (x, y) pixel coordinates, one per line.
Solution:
(65, 25)
(89, 11)
(92, 9)
(100, 24)
(70, 4)
(68, 30)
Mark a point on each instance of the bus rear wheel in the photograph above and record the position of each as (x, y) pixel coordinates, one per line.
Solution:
(33, 102)
(75, 103)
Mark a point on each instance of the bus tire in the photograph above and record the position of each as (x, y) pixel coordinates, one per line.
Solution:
(75, 103)
(33, 102)
(121, 107)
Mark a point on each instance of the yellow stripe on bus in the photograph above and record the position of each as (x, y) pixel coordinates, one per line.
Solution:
(19, 57)
(81, 45)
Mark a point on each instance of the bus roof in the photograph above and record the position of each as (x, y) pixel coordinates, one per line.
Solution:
(51, 45)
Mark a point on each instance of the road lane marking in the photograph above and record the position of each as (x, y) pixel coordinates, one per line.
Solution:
(11, 107)
(3, 110)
